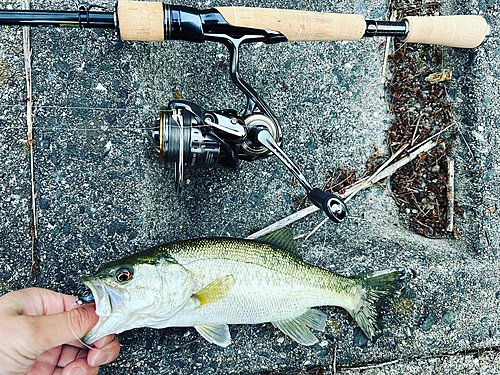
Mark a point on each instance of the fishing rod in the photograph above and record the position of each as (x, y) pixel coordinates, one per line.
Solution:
(191, 135)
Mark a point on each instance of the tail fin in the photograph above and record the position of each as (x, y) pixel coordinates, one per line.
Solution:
(376, 288)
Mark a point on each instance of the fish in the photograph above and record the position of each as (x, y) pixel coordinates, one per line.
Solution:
(209, 283)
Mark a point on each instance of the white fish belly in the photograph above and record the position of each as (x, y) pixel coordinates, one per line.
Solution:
(258, 295)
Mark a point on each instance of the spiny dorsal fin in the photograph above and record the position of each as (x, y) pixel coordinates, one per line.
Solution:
(215, 291)
(282, 238)
(297, 327)
(215, 333)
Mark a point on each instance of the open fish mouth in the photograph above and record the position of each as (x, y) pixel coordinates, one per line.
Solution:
(108, 306)
(102, 299)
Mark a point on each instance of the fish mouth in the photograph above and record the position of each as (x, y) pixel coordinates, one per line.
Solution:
(103, 304)
(108, 304)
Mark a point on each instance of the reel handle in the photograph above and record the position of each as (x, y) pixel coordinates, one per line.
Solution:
(333, 206)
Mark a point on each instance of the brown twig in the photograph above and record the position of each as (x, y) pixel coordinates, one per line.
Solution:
(386, 170)
(378, 365)
(30, 142)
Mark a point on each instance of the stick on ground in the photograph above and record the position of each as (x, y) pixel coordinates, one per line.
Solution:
(386, 170)
(450, 194)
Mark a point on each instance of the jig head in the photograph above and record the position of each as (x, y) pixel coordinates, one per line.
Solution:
(86, 297)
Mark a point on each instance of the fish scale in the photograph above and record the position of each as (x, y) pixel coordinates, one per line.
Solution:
(276, 291)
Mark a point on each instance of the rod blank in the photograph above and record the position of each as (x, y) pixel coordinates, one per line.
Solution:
(84, 19)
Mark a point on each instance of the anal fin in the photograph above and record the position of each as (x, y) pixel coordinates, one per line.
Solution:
(298, 327)
(215, 333)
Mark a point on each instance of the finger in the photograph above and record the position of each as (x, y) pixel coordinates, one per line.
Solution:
(105, 354)
(17, 302)
(82, 354)
(80, 367)
(49, 331)
(69, 354)
(97, 344)
(35, 301)
(102, 342)
(46, 362)
(77, 344)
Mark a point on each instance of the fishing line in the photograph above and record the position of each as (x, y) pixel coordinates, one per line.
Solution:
(76, 128)
(76, 305)
(21, 106)
(48, 128)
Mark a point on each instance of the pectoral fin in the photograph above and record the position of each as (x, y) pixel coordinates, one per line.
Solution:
(215, 291)
(215, 333)
(297, 327)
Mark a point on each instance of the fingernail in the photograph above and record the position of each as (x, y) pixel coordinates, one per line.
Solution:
(76, 371)
(106, 340)
(101, 358)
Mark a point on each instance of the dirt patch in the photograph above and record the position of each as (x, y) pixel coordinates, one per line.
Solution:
(419, 100)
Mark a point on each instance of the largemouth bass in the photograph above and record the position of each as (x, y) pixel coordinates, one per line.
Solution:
(208, 283)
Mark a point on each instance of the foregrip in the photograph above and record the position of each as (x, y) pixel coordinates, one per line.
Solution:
(141, 20)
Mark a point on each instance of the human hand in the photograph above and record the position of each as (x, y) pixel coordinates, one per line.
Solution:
(36, 327)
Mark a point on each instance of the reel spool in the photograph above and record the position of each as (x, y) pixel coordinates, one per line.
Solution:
(181, 142)
(188, 135)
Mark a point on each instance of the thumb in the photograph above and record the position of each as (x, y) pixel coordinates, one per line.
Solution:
(58, 329)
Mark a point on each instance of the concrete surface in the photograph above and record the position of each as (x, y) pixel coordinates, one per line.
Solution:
(102, 193)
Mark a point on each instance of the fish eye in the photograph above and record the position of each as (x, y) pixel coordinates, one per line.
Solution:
(123, 275)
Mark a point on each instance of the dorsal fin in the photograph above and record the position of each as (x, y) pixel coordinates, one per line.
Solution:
(282, 238)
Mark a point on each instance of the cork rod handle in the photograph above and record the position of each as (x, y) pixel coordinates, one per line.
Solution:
(452, 31)
(297, 25)
(140, 20)
(144, 20)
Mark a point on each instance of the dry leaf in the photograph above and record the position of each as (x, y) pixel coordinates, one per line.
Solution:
(445, 75)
